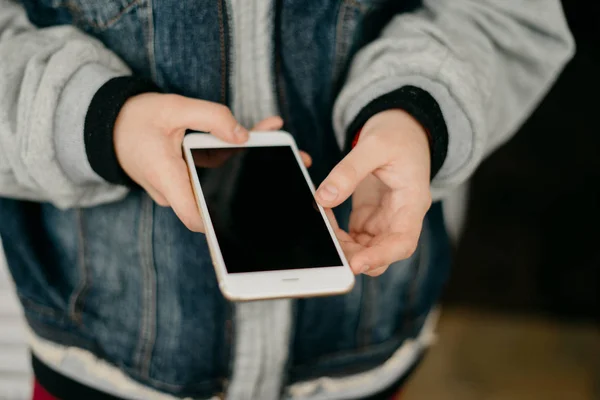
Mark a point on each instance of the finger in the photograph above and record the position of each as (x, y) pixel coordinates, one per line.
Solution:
(362, 238)
(359, 217)
(275, 123)
(332, 219)
(349, 246)
(408, 218)
(213, 158)
(378, 223)
(206, 116)
(394, 247)
(306, 159)
(408, 221)
(174, 184)
(157, 197)
(269, 124)
(365, 158)
(377, 271)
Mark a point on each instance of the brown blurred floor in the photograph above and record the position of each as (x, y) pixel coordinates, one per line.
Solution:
(489, 356)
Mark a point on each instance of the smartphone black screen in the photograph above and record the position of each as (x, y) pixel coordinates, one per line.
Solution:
(263, 211)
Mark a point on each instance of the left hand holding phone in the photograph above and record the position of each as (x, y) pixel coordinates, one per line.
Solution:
(388, 175)
(148, 136)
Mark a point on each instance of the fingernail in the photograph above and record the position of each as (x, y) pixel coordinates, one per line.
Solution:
(328, 192)
(239, 131)
(364, 268)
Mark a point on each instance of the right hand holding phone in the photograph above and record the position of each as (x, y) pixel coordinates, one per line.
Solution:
(148, 135)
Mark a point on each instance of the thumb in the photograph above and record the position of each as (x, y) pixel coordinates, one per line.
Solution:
(269, 124)
(341, 182)
(206, 116)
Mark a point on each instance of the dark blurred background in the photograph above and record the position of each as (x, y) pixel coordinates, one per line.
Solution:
(532, 236)
(521, 315)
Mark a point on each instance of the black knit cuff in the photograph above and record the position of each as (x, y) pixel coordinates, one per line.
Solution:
(422, 106)
(100, 122)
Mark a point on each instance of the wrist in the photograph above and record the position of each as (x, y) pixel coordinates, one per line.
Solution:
(417, 127)
(416, 108)
(400, 129)
(100, 121)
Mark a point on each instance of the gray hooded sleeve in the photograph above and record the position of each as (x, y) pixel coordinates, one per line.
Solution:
(487, 64)
(48, 78)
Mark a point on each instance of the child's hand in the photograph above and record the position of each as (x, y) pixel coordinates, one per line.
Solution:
(389, 174)
(148, 136)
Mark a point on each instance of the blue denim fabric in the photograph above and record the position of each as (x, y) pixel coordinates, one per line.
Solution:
(129, 283)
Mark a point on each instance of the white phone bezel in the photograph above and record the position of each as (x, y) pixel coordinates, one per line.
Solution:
(268, 284)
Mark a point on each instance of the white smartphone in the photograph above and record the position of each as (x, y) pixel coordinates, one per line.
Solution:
(267, 235)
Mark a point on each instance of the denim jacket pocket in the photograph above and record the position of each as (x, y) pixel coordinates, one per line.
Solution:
(126, 27)
(95, 14)
(355, 332)
(30, 233)
(149, 296)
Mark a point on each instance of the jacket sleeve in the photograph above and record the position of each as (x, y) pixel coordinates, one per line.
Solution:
(48, 78)
(487, 64)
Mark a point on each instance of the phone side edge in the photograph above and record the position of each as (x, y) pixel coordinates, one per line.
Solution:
(218, 266)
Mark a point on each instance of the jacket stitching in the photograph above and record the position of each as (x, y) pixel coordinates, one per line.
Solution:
(78, 14)
(278, 77)
(77, 300)
(39, 308)
(223, 54)
(147, 335)
(343, 43)
(339, 46)
(150, 45)
(354, 3)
